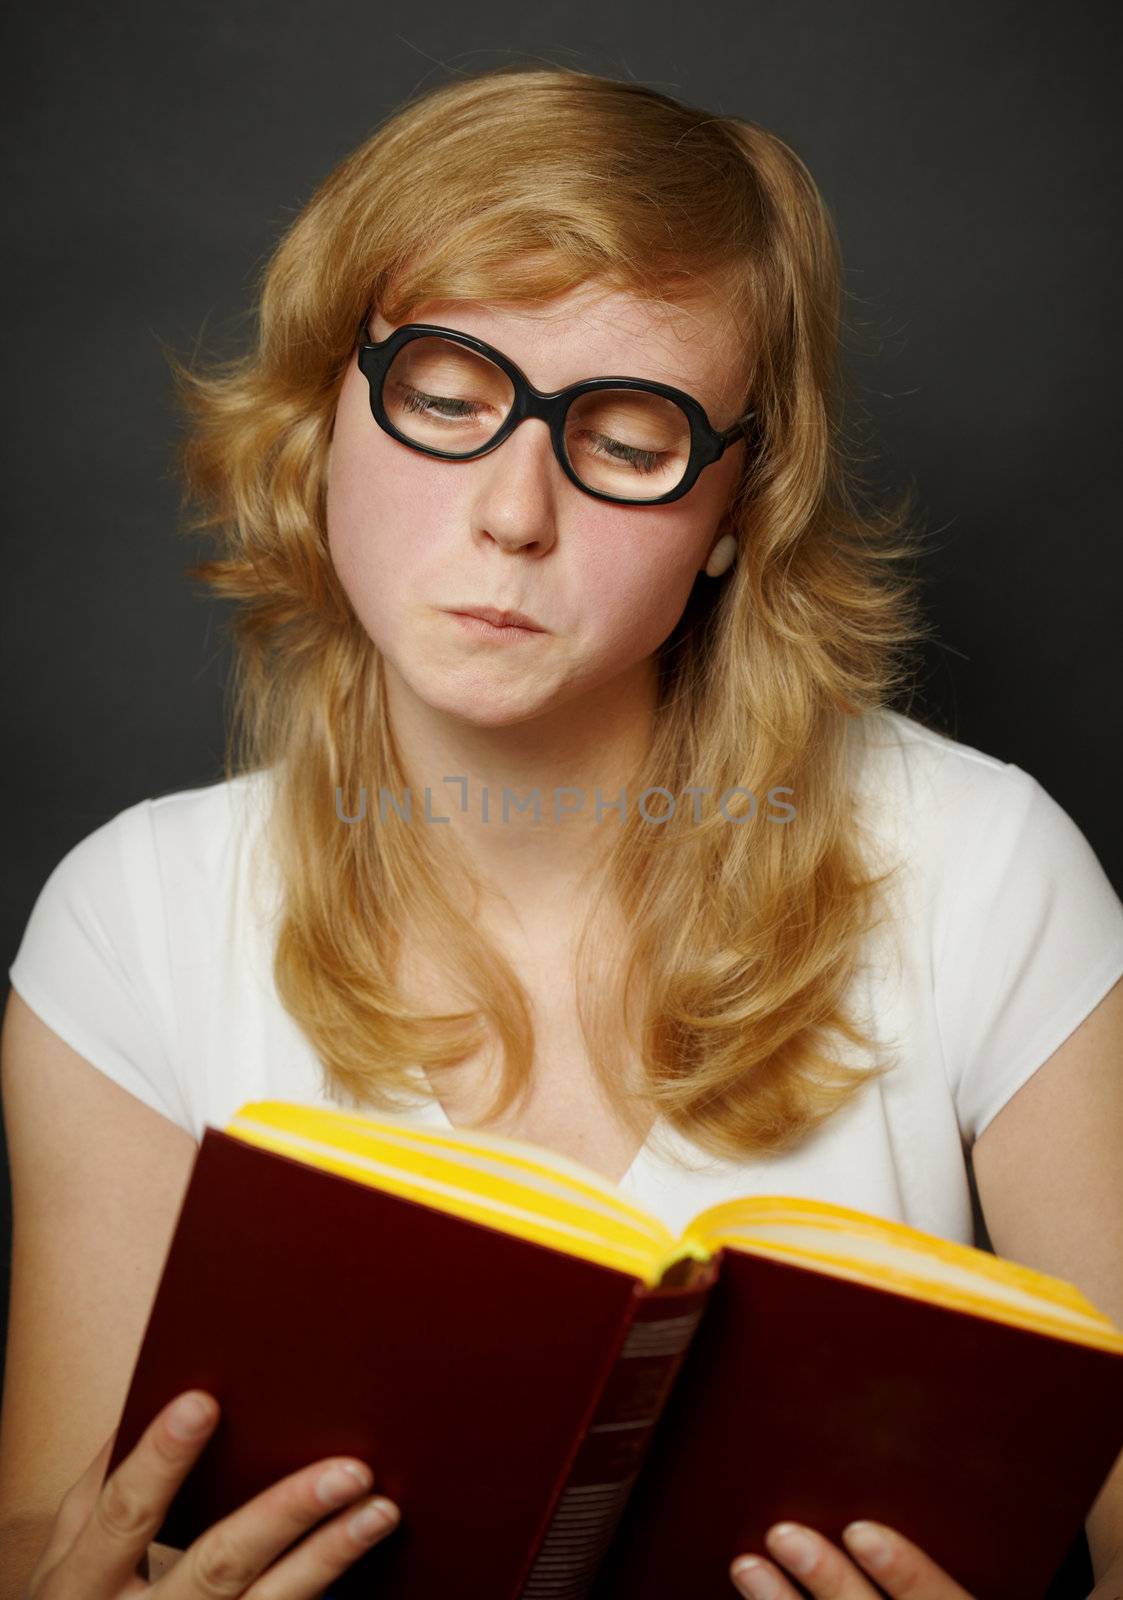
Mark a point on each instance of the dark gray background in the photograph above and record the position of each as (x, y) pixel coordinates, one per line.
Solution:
(969, 153)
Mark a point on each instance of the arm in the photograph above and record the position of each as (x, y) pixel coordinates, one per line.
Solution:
(97, 1178)
(1049, 1171)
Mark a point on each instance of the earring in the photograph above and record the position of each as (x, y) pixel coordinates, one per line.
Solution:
(722, 556)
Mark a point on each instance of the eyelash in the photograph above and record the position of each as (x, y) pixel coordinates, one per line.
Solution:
(644, 461)
(416, 401)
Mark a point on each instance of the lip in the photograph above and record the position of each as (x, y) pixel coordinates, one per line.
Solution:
(499, 619)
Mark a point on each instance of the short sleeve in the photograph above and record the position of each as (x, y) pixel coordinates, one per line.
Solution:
(1029, 940)
(92, 962)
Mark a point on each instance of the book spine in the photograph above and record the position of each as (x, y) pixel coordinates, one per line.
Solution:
(607, 1461)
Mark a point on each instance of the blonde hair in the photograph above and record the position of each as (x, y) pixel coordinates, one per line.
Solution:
(744, 939)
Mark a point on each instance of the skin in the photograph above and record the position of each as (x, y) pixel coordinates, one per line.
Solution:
(408, 534)
(901, 1569)
(100, 1536)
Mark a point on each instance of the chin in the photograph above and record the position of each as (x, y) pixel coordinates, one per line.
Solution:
(469, 698)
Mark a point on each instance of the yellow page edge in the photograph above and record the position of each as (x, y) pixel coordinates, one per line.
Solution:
(917, 1288)
(518, 1154)
(638, 1260)
(709, 1226)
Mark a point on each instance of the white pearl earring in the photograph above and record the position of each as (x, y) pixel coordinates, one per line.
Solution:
(721, 556)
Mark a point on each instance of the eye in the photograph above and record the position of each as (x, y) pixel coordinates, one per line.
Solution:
(619, 434)
(445, 397)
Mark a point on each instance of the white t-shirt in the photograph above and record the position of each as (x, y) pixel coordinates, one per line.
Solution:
(148, 952)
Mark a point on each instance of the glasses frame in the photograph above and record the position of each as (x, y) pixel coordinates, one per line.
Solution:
(707, 444)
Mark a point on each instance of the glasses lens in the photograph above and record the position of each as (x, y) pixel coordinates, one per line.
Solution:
(628, 443)
(440, 394)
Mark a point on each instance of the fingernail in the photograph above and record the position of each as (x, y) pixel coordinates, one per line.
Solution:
(797, 1548)
(190, 1415)
(377, 1515)
(868, 1543)
(342, 1482)
(755, 1580)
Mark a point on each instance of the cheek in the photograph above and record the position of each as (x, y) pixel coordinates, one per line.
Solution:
(637, 575)
(639, 567)
(384, 515)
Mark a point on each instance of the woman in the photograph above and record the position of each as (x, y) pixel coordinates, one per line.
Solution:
(764, 933)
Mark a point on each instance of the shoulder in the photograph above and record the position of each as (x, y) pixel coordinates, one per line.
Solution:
(159, 845)
(984, 855)
(930, 800)
(117, 950)
(112, 903)
(203, 833)
(895, 757)
(999, 872)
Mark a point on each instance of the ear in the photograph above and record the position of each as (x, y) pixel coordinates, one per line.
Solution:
(722, 556)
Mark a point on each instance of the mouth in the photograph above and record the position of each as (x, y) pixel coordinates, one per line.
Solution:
(517, 621)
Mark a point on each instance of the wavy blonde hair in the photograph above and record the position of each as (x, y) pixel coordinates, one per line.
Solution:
(744, 939)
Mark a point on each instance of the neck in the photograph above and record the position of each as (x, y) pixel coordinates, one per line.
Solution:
(480, 776)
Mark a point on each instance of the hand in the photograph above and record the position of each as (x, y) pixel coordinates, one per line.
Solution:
(101, 1532)
(831, 1575)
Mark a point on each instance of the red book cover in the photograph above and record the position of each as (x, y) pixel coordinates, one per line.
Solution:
(501, 1391)
(818, 1399)
(553, 1429)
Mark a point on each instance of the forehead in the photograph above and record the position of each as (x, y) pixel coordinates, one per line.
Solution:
(596, 332)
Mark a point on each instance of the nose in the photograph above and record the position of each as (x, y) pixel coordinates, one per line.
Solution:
(516, 486)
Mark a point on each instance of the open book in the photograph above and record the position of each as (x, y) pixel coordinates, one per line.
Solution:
(567, 1401)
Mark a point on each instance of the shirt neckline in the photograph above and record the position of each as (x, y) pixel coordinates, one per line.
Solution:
(438, 1116)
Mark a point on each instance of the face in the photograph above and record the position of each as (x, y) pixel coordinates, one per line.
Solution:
(414, 539)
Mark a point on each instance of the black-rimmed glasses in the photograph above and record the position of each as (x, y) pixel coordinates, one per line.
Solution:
(628, 440)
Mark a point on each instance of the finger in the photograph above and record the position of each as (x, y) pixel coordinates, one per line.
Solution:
(899, 1566)
(134, 1499)
(819, 1565)
(228, 1558)
(325, 1554)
